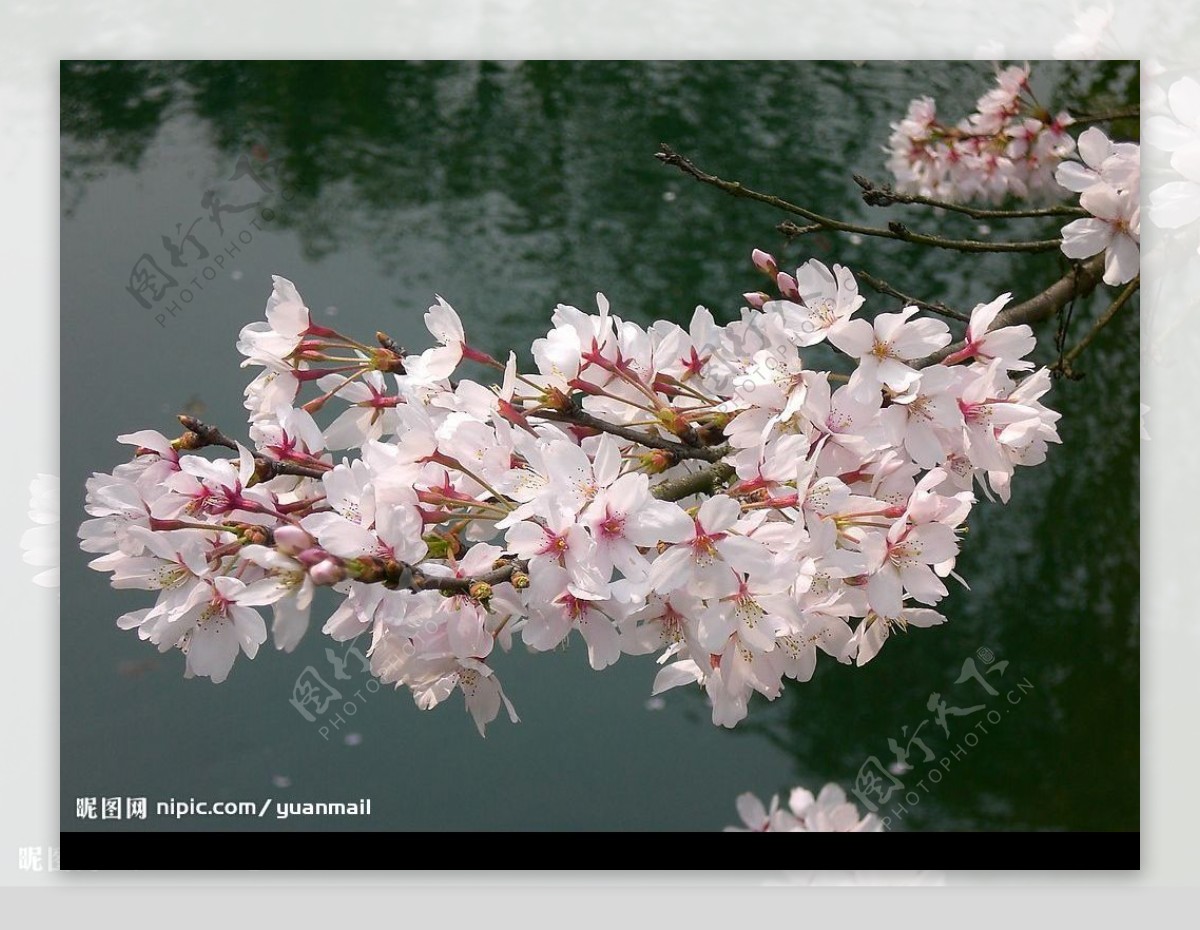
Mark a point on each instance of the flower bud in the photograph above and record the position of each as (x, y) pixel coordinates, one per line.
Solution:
(657, 461)
(555, 399)
(755, 299)
(764, 262)
(480, 590)
(311, 557)
(787, 286)
(291, 539)
(673, 421)
(185, 443)
(387, 360)
(254, 535)
(327, 573)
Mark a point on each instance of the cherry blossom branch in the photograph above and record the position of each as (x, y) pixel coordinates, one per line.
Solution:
(1079, 282)
(1082, 280)
(706, 480)
(394, 574)
(894, 230)
(268, 468)
(678, 449)
(883, 195)
(899, 231)
(883, 287)
(420, 581)
(1120, 113)
(1064, 364)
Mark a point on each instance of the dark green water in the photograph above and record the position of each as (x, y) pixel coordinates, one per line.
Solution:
(510, 188)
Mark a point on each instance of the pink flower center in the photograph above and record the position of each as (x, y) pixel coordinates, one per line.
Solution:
(613, 525)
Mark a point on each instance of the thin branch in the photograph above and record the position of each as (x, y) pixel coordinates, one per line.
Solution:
(678, 449)
(268, 467)
(898, 231)
(792, 231)
(1064, 364)
(419, 581)
(883, 287)
(1119, 113)
(1079, 282)
(883, 195)
(397, 575)
(707, 479)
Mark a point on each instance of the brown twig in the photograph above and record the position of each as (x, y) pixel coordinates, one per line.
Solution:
(678, 449)
(268, 467)
(1064, 365)
(1080, 282)
(898, 231)
(707, 479)
(883, 287)
(883, 195)
(1120, 113)
(423, 582)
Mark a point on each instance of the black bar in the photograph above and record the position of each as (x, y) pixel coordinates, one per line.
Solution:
(125, 850)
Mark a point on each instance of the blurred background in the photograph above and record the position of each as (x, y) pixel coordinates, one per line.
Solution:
(508, 188)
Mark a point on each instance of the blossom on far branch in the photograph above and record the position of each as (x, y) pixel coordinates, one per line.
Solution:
(829, 812)
(1108, 183)
(1008, 147)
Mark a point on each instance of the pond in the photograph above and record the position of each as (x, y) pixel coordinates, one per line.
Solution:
(508, 188)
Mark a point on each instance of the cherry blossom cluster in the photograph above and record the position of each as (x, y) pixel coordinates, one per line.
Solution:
(828, 812)
(694, 492)
(1107, 179)
(1009, 147)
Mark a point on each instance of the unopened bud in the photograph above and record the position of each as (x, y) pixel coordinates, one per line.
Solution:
(291, 539)
(387, 360)
(255, 535)
(674, 421)
(327, 573)
(787, 286)
(480, 590)
(657, 461)
(755, 300)
(764, 262)
(187, 442)
(311, 557)
(264, 470)
(555, 399)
